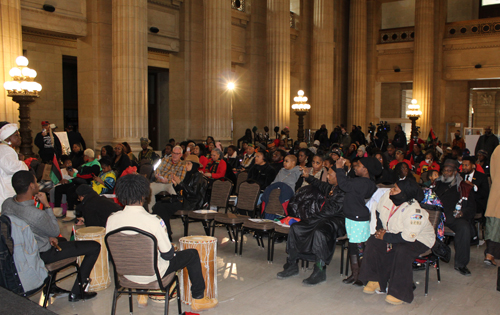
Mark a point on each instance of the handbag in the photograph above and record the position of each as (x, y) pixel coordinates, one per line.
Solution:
(442, 250)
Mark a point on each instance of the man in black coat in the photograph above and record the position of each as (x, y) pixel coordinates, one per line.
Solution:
(487, 142)
(75, 137)
(93, 210)
(455, 195)
(399, 140)
(478, 181)
(314, 238)
(261, 172)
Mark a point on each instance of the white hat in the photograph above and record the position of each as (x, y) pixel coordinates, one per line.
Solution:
(316, 142)
(7, 131)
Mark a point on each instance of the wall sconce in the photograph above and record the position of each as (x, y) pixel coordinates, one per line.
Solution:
(153, 29)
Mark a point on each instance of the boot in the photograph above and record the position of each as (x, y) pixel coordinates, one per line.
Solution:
(318, 275)
(290, 269)
(353, 278)
(357, 282)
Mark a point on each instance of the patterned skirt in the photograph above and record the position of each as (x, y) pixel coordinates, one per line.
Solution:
(357, 231)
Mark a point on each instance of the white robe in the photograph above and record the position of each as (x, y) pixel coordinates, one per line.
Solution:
(9, 165)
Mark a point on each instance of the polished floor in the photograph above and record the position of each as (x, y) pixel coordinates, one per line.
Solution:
(247, 284)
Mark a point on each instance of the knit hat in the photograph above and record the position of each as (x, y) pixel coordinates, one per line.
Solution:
(303, 145)
(411, 189)
(84, 190)
(89, 153)
(451, 163)
(483, 152)
(372, 165)
(362, 148)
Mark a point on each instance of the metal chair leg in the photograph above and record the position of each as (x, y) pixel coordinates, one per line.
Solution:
(113, 306)
(438, 270)
(427, 263)
(178, 291)
(342, 258)
(47, 294)
(130, 302)
(185, 220)
(241, 242)
(269, 254)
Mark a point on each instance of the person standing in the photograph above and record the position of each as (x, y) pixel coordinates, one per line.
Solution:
(357, 215)
(487, 142)
(9, 159)
(48, 143)
(492, 234)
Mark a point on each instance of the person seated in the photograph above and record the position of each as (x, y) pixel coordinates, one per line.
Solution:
(167, 151)
(432, 176)
(76, 155)
(216, 166)
(386, 177)
(108, 151)
(190, 193)
(328, 163)
(429, 163)
(132, 191)
(304, 157)
(483, 161)
(199, 151)
(261, 172)
(290, 172)
(130, 154)
(121, 160)
(317, 170)
(105, 182)
(400, 157)
(44, 225)
(390, 154)
(231, 158)
(93, 209)
(277, 160)
(403, 233)
(459, 207)
(83, 175)
(402, 172)
(350, 166)
(416, 154)
(247, 160)
(147, 155)
(314, 238)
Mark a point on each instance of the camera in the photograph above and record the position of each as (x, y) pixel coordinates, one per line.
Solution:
(383, 126)
(371, 128)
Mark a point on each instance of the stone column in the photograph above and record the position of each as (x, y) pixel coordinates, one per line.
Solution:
(322, 106)
(129, 70)
(10, 49)
(217, 69)
(356, 102)
(278, 63)
(423, 61)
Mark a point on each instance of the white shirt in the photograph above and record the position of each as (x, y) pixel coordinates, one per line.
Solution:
(9, 165)
(469, 177)
(136, 216)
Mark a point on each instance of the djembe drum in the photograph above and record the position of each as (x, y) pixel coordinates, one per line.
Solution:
(207, 249)
(100, 273)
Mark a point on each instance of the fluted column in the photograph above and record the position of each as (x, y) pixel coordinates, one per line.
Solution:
(278, 63)
(217, 69)
(322, 105)
(129, 70)
(10, 49)
(423, 61)
(356, 103)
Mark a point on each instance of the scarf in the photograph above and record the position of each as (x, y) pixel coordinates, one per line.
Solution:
(212, 166)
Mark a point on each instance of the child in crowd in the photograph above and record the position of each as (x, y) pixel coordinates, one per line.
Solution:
(328, 163)
(433, 175)
(290, 172)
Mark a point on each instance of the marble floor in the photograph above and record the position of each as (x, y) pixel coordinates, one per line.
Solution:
(247, 284)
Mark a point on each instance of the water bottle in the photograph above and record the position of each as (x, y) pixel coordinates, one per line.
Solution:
(458, 208)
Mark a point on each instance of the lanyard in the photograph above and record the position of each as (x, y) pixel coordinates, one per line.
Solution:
(391, 214)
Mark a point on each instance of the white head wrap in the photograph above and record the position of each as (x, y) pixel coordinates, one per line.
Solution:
(7, 131)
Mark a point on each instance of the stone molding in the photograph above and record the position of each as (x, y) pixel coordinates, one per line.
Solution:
(72, 25)
(48, 38)
(174, 4)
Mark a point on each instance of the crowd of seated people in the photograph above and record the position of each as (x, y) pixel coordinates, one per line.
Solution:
(344, 174)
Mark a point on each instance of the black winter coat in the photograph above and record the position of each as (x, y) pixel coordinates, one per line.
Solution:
(96, 209)
(314, 238)
(193, 191)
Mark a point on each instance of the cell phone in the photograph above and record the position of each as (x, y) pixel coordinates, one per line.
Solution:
(69, 168)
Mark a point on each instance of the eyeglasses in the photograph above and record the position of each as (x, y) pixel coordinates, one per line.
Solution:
(176, 153)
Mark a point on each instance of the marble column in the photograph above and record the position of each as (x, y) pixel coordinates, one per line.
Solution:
(217, 69)
(322, 106)
(423, 61)
(10, 49)
(278, 63)
(129, 70)
(356, 101)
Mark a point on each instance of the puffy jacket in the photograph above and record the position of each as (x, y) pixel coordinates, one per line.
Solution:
(193, 191)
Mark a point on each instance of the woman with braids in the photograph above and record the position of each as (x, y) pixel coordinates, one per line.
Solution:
(132, 191)
(216, 167)
(10, 163)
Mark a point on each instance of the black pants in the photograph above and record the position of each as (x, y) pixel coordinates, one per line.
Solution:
(70, 191)
(165, 209)
(394, 266)
(89, 249)
(462, 230)
(190, 259)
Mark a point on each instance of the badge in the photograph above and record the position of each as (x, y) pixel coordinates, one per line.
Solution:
(413, 235)
(416, 217)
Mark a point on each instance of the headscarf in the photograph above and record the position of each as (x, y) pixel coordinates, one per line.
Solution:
(409, 190)
(7, 131)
